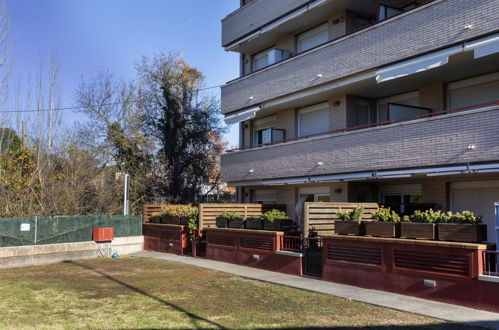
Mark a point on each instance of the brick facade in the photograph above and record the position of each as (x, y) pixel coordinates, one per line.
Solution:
(253, 16)
(438, 25)
(433, 141)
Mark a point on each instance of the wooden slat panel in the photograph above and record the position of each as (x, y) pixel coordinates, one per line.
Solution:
(209, 211)
(322, 216)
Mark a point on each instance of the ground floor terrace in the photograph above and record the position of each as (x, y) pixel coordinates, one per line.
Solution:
(403, 193)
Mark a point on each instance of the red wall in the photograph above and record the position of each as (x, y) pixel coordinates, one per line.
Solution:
(250, 248)
(164, 238)
(456, 281)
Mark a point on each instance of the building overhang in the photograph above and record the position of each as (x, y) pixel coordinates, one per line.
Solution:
(377, 175)
(481, 47)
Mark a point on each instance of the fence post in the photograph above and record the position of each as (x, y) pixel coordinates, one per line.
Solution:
(200, 216)
(36, 228)
(306, 219)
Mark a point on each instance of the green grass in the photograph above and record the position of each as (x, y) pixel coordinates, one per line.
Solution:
(146, 293)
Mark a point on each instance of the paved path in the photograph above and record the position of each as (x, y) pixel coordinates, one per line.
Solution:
(447, 312)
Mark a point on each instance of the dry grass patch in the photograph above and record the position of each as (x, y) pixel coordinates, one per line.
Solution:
(146, 293)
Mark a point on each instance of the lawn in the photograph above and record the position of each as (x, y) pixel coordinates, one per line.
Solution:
(146, 293)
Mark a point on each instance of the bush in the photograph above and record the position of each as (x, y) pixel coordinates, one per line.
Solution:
(180, 210)
(428, 216)
(230, 215)
(353, 215)
(274, 215)
(385, 215)
(465, 217)
(431, 216)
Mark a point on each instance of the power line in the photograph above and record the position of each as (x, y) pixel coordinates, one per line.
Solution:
(80, 108)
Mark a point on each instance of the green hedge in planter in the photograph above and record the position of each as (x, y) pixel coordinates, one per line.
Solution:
(177, 215)
(386, 223)
(224, 218)
(462, 227)
(350, 223)
(421, 224)
(276, 220)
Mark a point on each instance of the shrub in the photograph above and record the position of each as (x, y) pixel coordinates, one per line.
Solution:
(465, 217)
(179, 210)
(385, 215)
(230, 215)
(428, 216)
(274, 215)
(353, 215)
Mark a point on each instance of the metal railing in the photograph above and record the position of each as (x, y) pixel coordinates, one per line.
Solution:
(292, 243)
(494, 104)
(490, 263)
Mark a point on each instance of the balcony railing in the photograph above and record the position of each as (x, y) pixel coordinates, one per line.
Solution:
(365, 27)
(367, 126)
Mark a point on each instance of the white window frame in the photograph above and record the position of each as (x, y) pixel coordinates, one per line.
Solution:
(260, 54)
(314, 31)
(312, 108)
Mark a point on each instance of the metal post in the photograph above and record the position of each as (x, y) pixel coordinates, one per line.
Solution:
(497, 225)
(126, 202)
(36, 229)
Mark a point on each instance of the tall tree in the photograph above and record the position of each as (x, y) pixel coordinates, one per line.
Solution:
(186, 129)
(114, 133)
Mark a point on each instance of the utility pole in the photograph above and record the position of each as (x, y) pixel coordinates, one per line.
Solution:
(126, 199)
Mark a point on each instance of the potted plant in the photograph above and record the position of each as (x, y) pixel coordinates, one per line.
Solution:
(155, 217)
(276, 220)
(385, 223)
(254, 222)
(462, 227)
(236, 221)
(223, 219)
(349, 222)
(421, 225)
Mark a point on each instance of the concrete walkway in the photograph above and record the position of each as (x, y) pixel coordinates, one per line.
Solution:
(447, 312)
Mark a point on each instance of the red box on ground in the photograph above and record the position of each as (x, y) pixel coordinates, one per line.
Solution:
(103, 234)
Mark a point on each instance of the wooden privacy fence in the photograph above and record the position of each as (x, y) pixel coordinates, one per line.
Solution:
(149, 209)
(209, 212)
(320, 217)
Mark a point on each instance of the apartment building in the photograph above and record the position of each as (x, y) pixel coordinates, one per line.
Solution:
(390, 101)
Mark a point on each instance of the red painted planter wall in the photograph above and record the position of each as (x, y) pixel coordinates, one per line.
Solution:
(164, 238)
(250, 249)
(403, 268)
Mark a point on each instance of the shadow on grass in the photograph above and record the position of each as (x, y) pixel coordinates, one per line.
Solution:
(195, 319)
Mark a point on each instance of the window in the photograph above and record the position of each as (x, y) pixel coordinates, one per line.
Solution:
(260, 60)
(386, 12)
(314, 194)
(312, 38)
(268, 135)
(399, 106)
(362, 112)
(264, 196)
(473, 91)
(313, 120)
(264, 131)
(400, 196)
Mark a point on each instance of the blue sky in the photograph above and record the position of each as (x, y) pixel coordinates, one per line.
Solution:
(91, 35)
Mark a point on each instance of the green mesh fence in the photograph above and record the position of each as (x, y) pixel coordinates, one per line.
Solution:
(31, 231)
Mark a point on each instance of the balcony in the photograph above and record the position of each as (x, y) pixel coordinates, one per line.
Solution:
(435, 139)
(430, 27)
(253, 15)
